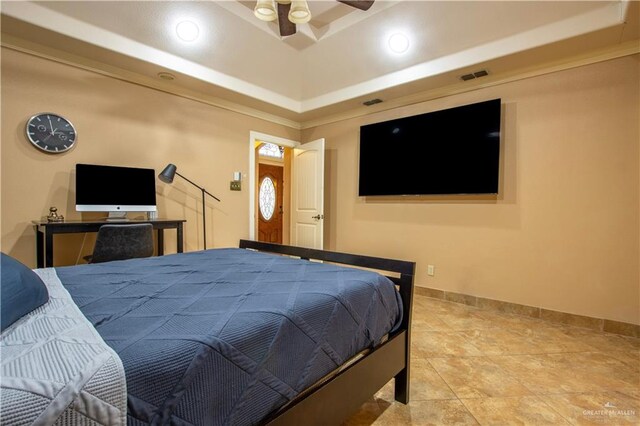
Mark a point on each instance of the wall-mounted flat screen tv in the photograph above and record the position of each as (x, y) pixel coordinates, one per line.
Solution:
(114, 189)
(452, 151)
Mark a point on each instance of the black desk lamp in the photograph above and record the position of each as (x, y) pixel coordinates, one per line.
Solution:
(167, 176)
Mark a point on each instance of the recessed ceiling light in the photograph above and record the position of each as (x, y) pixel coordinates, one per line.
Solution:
(398, 43)
(187, 31)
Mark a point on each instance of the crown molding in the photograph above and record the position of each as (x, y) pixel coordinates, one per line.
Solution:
(43, 52)
(36, 15)
(565, 29)
(601, 55)
(50, 20)
(613, 52)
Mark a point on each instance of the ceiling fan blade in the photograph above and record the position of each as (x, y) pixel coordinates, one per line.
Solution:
(358, 4)
(287, 27)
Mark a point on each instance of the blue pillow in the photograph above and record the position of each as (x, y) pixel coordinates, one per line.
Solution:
(21, 291)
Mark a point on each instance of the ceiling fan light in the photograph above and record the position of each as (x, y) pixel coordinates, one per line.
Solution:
(265, 10)
(299, 13)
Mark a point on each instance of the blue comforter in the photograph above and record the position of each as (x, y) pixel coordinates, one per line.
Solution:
(227, 336)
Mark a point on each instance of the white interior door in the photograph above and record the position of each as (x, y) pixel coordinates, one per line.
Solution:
(307, 195)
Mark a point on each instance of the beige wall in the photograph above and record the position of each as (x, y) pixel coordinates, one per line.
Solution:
(564, 232)
(118, 123)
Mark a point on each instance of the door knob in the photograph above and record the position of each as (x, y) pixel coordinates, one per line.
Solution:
(318, 217)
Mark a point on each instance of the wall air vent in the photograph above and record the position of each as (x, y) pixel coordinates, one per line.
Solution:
(372, 102)
(471, 76)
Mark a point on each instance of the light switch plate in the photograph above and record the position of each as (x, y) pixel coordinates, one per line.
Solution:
(235, 185)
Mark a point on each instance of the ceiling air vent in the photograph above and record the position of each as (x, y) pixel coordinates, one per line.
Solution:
(166, 76)
(473, 75)
(372, 102)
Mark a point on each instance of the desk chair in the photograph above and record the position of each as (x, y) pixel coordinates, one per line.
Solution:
(119, 242)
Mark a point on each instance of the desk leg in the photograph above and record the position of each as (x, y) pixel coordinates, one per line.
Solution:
(48, 260)
(160, 242)
(180, 238)
(39, 248)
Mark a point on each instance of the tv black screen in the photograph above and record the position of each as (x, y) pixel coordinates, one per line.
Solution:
(109, 188)
(452, 151)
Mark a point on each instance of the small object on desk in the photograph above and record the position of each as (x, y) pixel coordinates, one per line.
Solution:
(54, 216)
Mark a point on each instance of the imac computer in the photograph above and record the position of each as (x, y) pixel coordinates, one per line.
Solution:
(116, 190)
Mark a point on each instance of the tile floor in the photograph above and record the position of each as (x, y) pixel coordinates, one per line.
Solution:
(472, 366)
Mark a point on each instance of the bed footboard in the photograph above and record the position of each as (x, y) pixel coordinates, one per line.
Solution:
(338, 398)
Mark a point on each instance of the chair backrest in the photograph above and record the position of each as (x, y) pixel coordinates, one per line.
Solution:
(119, 242)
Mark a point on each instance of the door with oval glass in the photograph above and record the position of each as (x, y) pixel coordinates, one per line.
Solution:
(270, 198)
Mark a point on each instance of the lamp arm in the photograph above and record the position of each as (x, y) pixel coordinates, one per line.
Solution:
(199, 187)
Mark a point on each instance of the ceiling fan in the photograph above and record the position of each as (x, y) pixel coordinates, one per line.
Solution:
(289, 13)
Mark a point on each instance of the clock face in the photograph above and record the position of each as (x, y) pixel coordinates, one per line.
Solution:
(51, 133)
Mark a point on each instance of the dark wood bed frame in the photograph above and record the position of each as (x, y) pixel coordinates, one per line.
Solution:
(341, 396)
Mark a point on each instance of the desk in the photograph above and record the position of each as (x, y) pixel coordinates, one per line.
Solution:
(46, 230)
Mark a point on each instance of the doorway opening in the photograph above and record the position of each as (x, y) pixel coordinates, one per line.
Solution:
(273, 174)
(301, 189)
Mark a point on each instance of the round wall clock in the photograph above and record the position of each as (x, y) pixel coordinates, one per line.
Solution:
(51, 133)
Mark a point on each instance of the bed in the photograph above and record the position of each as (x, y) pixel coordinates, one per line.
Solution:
(286, 340)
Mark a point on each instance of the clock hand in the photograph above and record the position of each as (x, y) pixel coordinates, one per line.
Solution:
(50, 124)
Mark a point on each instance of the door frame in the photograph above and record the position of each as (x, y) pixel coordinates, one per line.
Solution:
(253, 138)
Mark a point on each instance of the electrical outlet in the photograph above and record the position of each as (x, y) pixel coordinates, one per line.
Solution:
(235, 185)
(431, 270)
